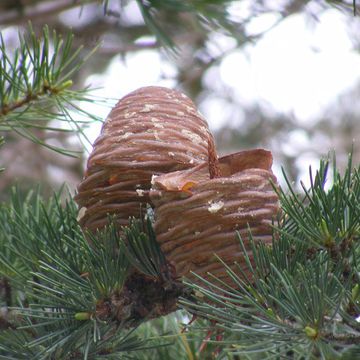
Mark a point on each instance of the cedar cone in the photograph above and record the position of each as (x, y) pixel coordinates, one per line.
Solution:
(151, 131)
(197, 215)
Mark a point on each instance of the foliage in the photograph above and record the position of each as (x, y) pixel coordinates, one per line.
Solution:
(142, 250)
(302, 296)
(62, 282)
(62, 290)
(35, 84)
(213, 13)
(202, 34)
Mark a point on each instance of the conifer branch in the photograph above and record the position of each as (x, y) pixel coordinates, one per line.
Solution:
(35, 86)
(298, 298)
(302, 294)
(70, 284)
(75, 300)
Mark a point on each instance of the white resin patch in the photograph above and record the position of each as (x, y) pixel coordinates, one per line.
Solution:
(215, 207)
(125, 136)
(147, 108)
(156, 123)
(81, 213)
(128, 115)
(195, 138)
(156, 135)
(191, 110)
(153, 179)
(204, 129)
(140, 192)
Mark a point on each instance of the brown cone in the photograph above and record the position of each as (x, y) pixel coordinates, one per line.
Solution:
(197, 216)
(151, 131)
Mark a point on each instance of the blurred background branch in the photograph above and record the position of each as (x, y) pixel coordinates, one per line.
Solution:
(194, 46)
(207, 49)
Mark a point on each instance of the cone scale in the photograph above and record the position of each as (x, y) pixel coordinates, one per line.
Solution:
(156, 149)
(212, 210)
(151, 131)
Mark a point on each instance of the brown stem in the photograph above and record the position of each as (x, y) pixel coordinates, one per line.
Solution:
(6, 288)
(214, 169)
(347, 339)
(5, 324)
(27, 99)
(18, 104)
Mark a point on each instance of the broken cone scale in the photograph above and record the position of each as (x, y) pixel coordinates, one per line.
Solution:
(151, 131)
(197, 216)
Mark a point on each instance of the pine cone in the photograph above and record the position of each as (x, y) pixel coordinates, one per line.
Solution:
(197, 216)
(151, 131)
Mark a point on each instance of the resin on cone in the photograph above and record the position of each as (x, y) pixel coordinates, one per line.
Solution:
(151, 131)
(197, 214)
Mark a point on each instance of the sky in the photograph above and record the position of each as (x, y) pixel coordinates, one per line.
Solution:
(295, 67)
(298, 67)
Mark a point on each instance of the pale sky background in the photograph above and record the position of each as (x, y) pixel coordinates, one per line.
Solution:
(297, 67)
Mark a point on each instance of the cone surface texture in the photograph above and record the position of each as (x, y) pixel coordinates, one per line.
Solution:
(151, 131)
(197, 216)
